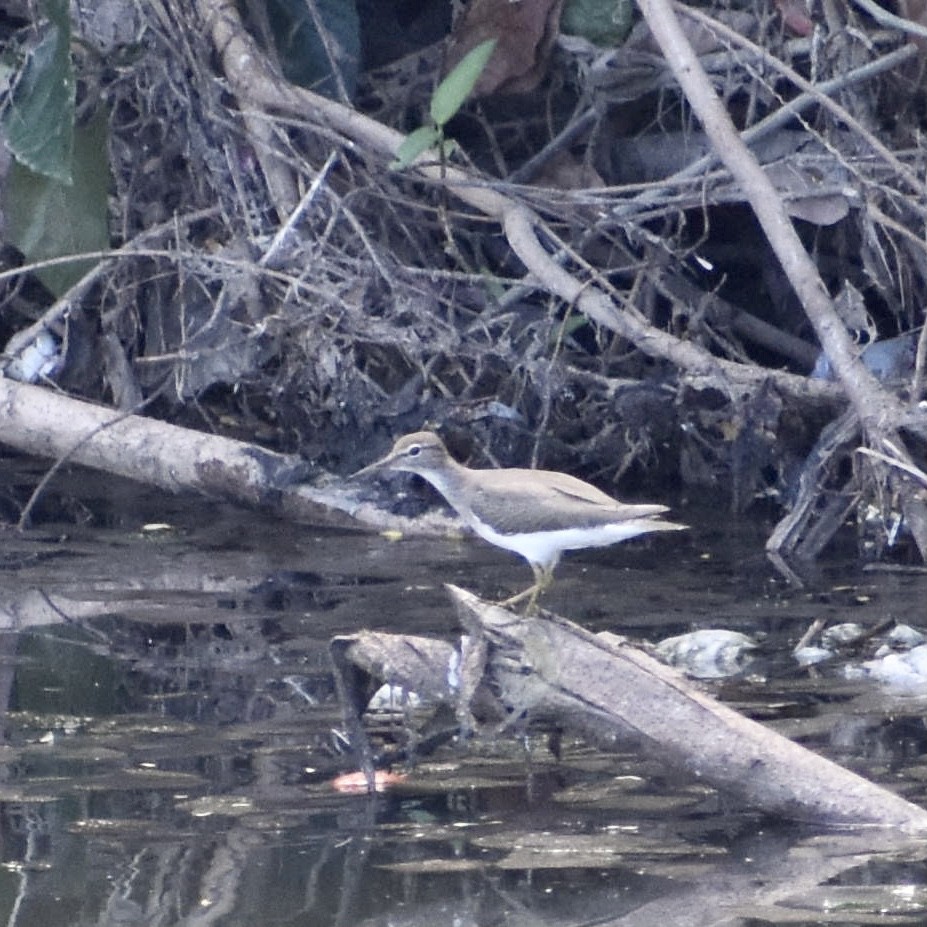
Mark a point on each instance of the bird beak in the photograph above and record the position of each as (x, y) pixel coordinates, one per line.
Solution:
(372, 469)
(366, 471)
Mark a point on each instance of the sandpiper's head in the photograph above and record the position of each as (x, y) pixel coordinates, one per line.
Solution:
(422, 452)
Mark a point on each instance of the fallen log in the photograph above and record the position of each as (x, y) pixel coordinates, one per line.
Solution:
(40, 421)
(46, 423)
(549, 669)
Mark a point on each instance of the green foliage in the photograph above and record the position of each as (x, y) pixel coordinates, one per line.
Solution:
(47, 217)
(416, 143)
(446, 101)
(604, 22)
(38, 119)
(450, 94)
(55, 195)
(302, 52)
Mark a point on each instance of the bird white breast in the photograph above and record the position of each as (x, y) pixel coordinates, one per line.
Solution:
(544, 547)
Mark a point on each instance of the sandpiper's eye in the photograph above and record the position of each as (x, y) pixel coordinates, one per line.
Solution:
(415, 450)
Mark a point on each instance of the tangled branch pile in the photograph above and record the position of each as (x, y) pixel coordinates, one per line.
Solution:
(593, 277)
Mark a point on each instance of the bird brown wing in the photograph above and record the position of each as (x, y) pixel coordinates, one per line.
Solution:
(543, 500)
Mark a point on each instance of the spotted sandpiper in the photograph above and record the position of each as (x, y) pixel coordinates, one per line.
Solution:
(536, 513)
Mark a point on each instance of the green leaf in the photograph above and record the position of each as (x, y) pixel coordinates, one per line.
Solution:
(38, 119)
(604, 22)
(414, 144)
(302, 52)
(450, 94)
(573, 323)
(48, 218)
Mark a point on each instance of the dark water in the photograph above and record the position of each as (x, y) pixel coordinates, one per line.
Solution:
(171, 734)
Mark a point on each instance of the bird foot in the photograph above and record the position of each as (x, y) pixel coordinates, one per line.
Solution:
(542, 579)
(532, 594)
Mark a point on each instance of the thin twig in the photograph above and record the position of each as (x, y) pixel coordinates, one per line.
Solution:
(872, 403)
(309, 197)
(57, 310)
(890, 20)
(906, 467)
(811, 93)
(563, 140)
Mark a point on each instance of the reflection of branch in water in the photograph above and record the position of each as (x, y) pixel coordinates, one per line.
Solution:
(769, 881)
(805, 529)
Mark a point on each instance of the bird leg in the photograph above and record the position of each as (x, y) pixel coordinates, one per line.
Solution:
(542, 579)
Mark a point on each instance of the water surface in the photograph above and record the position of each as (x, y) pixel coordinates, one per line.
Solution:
(172, 732)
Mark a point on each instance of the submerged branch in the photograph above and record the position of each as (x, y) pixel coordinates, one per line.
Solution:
(550, 670)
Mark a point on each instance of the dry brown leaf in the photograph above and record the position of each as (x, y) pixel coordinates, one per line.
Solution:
(565, 172)
(525, 31)
(795, 16)
(803, 193)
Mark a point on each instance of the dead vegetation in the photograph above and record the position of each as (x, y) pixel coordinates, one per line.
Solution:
(603, 277)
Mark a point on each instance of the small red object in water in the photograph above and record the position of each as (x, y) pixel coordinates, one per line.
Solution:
(357, 781)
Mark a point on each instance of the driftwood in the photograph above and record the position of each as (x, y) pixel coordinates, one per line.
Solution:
(39, 421)
(49, 424)
(552, 670)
